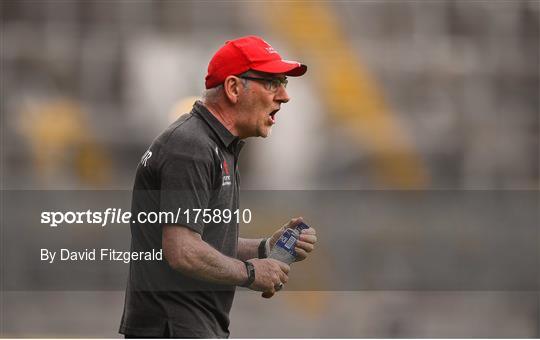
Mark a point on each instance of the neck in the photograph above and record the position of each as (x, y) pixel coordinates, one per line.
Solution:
(222, 114)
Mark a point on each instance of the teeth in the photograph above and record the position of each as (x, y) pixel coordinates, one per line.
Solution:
(272, 115)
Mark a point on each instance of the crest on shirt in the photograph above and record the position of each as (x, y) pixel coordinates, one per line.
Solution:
(226, 179)
(146, 157)
(226, 174)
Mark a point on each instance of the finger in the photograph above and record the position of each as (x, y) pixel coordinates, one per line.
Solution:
(308, 238)
(300, 254)
(308, 247)
(309, 231)
(296, 221)
(283, 278)
(293, 222)
(284, 267)
(267, 295)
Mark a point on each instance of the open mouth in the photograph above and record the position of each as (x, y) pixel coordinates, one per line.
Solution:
(273, 115)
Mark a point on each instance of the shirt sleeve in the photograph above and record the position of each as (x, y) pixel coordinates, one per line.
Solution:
(186, 187)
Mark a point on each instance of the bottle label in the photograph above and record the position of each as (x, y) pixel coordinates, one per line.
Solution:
(301, 226)
(287, 240)
(284, 248)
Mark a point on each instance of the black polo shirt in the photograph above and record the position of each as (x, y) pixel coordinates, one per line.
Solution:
(191, 165)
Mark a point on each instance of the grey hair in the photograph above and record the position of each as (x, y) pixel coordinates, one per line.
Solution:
(211, 95)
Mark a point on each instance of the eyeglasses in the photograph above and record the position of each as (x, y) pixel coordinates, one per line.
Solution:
(271, 84)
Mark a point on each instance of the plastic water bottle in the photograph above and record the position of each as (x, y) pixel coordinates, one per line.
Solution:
(283, 250)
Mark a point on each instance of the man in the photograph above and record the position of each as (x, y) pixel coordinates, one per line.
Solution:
(193, 165)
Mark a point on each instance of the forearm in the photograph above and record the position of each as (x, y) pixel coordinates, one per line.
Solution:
(248, 248)
(199, 260)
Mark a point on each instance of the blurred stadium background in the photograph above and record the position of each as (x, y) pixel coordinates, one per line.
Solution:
(398, 95)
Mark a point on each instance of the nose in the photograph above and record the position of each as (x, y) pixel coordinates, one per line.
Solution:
(281, 95)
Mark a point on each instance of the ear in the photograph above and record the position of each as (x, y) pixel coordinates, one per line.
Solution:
(231, 86)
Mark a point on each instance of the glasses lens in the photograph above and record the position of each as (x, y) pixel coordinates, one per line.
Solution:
(271, 84)
(276, 83)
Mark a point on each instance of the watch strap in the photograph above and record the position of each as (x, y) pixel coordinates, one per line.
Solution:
(251, 274)
(262, 249)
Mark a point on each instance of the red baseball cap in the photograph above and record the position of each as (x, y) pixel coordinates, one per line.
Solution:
(248, 53)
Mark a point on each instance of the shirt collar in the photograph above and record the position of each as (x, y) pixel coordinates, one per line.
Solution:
(227, 138)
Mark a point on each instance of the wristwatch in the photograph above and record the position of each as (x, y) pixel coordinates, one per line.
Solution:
(251, 274)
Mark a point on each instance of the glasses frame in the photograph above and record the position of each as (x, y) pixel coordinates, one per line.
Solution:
(271, 84)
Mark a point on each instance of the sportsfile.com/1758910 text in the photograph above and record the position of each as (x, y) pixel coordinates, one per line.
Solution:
(118, 216)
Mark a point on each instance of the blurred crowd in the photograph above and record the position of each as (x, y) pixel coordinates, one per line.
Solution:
(399, 94)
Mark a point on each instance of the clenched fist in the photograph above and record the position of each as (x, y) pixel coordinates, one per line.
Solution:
(269, 275)
(306, 242)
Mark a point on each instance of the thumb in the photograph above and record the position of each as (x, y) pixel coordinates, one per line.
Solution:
(294, 222)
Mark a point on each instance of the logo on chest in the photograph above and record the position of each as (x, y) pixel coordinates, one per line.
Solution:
(226, 179)
(226, 174)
